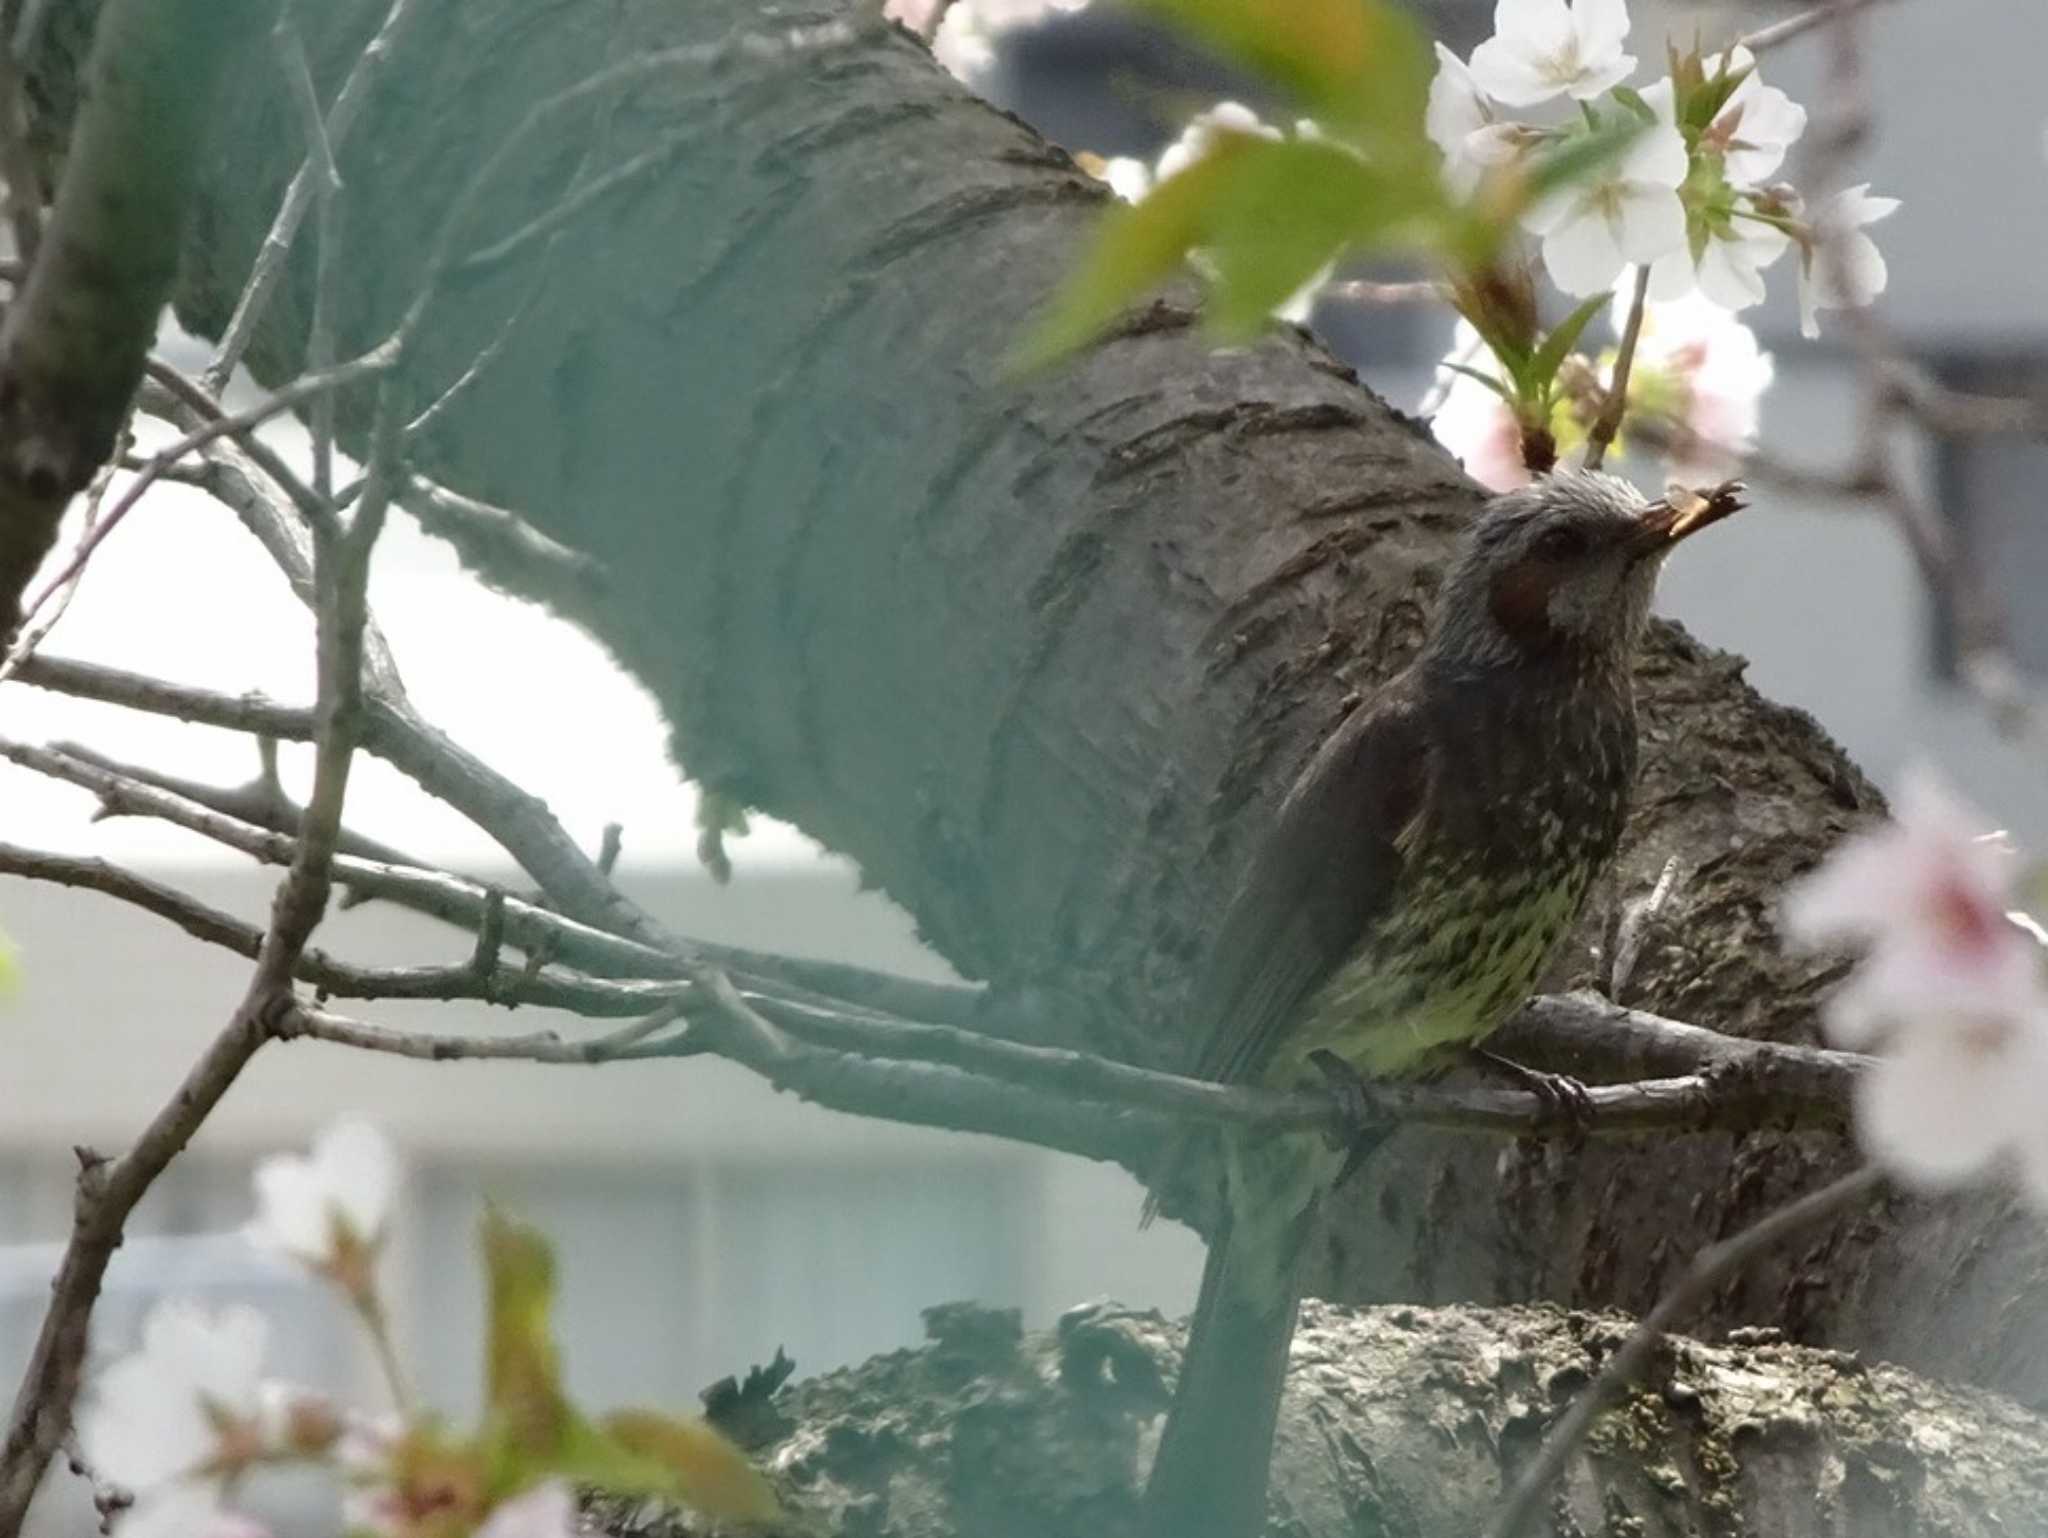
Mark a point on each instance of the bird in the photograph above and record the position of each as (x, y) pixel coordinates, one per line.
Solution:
(1422, 870)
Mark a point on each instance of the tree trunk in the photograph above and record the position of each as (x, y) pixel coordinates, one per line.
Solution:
(1042, 655)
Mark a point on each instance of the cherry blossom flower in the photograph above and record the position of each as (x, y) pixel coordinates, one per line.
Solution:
(1462, 123)
(1475, 424)
(1928, 894)
(1202, 131)
(329, 1211)
(1724, 258)
(971, 30)
(1950, 991)
(1632, 213)
(1755, 126)
(1545, 48)
(1840, 267)
(171, 1420)
(1700, 371)
(1957, 1095)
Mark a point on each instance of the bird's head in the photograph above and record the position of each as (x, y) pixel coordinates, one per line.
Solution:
(1565, 568)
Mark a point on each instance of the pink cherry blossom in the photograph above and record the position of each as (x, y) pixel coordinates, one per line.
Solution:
(1473, 423)
(1949, 992)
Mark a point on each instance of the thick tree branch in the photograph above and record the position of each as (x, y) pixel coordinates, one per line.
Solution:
(72, 348)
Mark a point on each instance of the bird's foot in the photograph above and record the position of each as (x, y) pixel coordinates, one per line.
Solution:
(1566, 1100)
(1365, 1127)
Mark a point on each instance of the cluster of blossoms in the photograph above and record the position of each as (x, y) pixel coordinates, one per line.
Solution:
(1691, 201)
(1698, 378)
(1949, 992)
(185, 1419)
(1692, 198)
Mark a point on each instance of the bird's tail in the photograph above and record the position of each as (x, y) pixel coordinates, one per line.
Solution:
(1209, 1480)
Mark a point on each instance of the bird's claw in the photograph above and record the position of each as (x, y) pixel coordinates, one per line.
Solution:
(1365, 1128)
(1566, 1101)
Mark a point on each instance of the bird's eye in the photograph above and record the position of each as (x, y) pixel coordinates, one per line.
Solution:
(1563, 543)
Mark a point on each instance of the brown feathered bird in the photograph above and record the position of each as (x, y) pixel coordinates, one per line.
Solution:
(1422, 871)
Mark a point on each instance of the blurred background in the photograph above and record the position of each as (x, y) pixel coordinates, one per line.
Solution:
(702, 1220)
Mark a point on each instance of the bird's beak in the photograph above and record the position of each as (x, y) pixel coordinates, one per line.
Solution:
(1681, 512)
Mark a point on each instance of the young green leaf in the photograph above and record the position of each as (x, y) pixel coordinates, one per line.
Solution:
(1292, 206)
(1499, 387)
(1543, 364)
(523, 1397)
(1135, 248)
(706, 1471)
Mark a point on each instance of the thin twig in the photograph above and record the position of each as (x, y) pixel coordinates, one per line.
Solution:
(533, 929)
(268, 268)
(308, 387)
(327, 208)
(1763, 39)
(1709, 1269)
(1608, 423)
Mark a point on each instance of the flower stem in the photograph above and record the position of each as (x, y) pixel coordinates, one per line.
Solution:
(371, 1312)
(1608, 423)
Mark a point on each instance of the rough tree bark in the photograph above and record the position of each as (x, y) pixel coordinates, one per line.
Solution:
(1042, 656)
(1399, 1422)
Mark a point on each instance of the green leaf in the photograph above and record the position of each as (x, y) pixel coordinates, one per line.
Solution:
(1632, 99)
(523, 1399)
(1135, 248)
(701, 1467)
(1353, 64)
(1499, 387)
(1266, 214)
(1290, 207)
(1705, 104)
(1543, 365)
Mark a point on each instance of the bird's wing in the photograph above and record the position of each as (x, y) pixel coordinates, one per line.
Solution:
(1318, 882)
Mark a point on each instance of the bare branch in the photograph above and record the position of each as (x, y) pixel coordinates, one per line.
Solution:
(268, 267)
(1708, 1270)
(327, 214)
(532, 929)
(1763, 39)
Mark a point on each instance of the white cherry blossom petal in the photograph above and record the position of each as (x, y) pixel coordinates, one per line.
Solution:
(1946, 1102)
(1472, 422)
(147, 1418)
(1583, 255)
(349, 1179)
(1651, 220)
(1543, 48)
(1843, 268)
